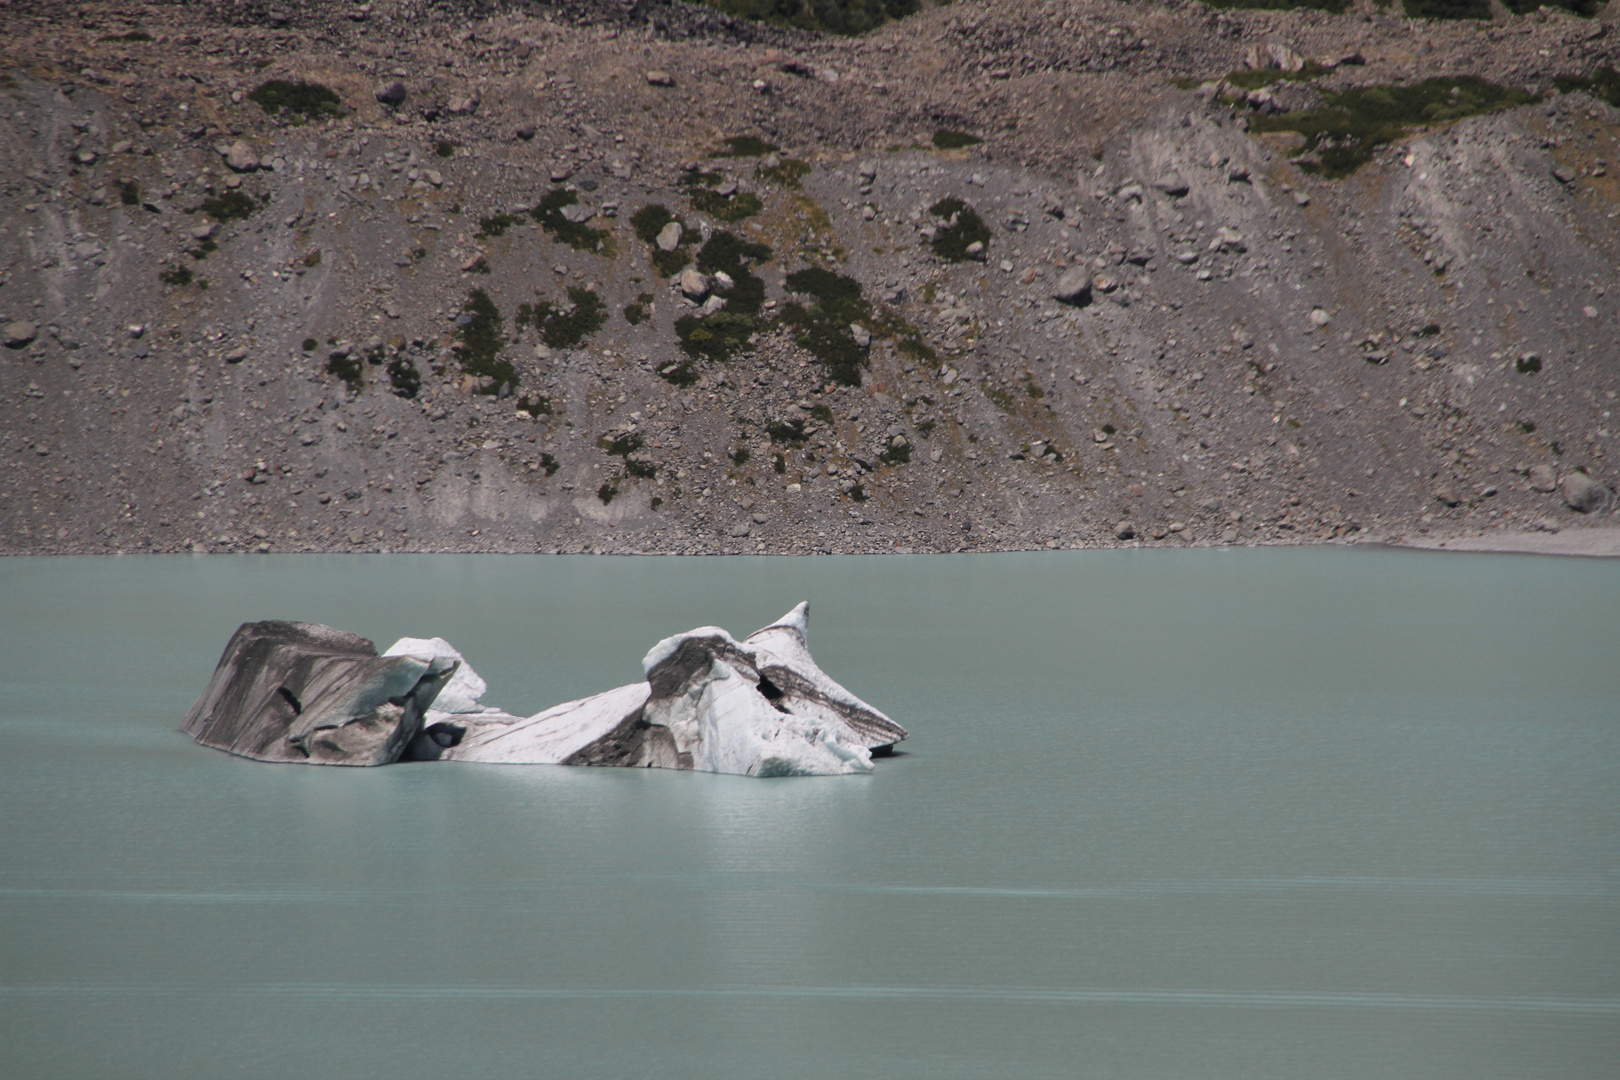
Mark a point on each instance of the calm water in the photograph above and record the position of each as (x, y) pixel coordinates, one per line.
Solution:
(1206, 814)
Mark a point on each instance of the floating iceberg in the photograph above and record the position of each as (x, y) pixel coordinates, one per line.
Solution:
(756, 707)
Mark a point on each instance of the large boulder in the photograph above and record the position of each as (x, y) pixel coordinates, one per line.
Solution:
(300, 692)
(1585, 494)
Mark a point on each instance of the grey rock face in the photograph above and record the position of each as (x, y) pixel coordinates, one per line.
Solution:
(1583, 493)
(300, 692)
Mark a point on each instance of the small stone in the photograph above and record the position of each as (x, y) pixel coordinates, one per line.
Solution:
(669, 237)
(237, 355)
(758, 518)
(19, 333)
(1172, 185)
(1584, 494)
(713, 305)
(465, 105)
(240, 156)
(976, 251)
(525, 131)
(434, 177)
(740, 529)
(472, 264)
(1124, 531)
(1301, 199)
(391, 94)
(1542, 478)
(1447, 494)
(1564, 174)
(203, 231)
(660, 78)
(1319, 318)
(693, 284)
(1074, 287)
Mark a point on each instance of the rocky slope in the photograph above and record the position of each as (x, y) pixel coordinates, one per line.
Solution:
(229, 329)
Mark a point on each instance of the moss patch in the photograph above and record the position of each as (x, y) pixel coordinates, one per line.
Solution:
(635, 314)
(496, 225)
(963, 227)
(746, 146)
(946, 139)
(310, 101)
(577, 235)
(787, 172)
(786, 431)
(481, 342)
(1345, 132)
(1255, 78)
(180, 275)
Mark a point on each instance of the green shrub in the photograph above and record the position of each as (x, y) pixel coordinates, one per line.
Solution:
(404, 377)
(1586, 9)
(830, 16)
(678, 373)
(444, 148)
(231, 206)
(1255, 78)
(635, 314)
(1447, 9)
(946, 139)
(738, 206)
(312, 101)
(131, 36)
(650, 220)
(180, 275)
(536, 407)
(481, 342)
(496, 225)
(786, 431)
(310, 344)
(728, 331)
(670, 263)
(348, 368)
(823, 329)
(566, 327)
(129, 192)
(576, 235)
(606, 492)
(1353, 123)
(963, 226)
(1334, 6)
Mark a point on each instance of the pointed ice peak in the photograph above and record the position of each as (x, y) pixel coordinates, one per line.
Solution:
(797, 619)
(670, 645)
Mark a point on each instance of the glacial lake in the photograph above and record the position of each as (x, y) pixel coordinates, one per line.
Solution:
(1250, 813)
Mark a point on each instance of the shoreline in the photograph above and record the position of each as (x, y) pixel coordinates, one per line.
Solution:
(1593, 541)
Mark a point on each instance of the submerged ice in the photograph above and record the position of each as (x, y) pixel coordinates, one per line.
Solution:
(760, 706)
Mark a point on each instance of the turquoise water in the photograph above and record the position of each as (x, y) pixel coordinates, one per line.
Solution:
(1241, 813)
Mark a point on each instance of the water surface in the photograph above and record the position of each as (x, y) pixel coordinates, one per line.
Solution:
(1287, 813)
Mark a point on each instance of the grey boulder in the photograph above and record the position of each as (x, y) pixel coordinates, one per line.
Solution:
(1073, 288)
(1585, 494)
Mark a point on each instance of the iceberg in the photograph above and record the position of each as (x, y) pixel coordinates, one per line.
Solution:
(711, 703)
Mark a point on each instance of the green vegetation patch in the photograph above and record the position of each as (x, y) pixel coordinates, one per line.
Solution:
(947, 139)
(635, 314)
(536, 407)
(746, 146)
(678, 373)
(1345, 132)
(823, 328)
(180, 275)
(133, 35)
(786, 431)
(700, 191)
(308, 100)
(567, 326)
(787, 172)
(403, 376)
(1584, 8)
(348, 367)
(129, 192)
(1256, 78)
(728, 331)
(444, 148)
(481, 342)
(577, 235)
(828, 16)
(888, 323)
(896, 455)
(496, 225)
(231, 206)
(1337, 7)
(963, 227)
(648, 222)
(1448, 9)
(1604, 83)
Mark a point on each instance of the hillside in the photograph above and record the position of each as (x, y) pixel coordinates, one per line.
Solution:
(403, 276)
